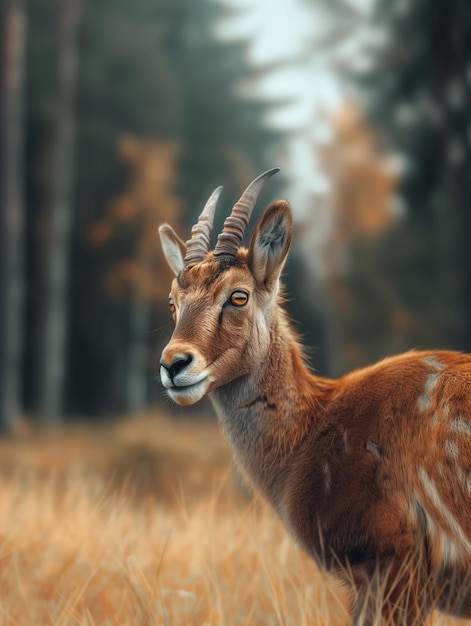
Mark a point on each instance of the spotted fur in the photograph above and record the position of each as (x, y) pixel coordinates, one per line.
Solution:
(370, 473)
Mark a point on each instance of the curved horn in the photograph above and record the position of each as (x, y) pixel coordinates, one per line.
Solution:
(198, 246)
(234, 227)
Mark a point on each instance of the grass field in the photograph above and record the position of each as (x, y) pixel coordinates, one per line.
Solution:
(145, 522)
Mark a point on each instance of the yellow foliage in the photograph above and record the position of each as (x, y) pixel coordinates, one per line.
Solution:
(362, 179)
(99, 233)
(125, 208)
(149, 199)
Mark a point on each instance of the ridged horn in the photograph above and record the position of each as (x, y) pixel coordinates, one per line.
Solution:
(234, 227)
(198, 246)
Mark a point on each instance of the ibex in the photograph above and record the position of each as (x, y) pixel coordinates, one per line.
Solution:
(370, 473)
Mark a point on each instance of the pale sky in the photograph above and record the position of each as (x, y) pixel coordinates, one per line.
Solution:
(287, 32)
(283, 33)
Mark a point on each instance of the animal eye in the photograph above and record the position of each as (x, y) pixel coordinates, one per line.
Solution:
(239, 298)
(171, 306)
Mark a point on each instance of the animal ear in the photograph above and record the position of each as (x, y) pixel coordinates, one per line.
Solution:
(270, 243)
(173, 247)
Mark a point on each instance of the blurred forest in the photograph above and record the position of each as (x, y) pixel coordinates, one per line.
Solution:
(117, 116)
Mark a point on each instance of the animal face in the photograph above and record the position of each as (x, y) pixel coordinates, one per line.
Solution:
(217, 329)
(222, 306)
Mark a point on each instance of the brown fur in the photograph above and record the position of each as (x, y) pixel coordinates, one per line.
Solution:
(370, 473)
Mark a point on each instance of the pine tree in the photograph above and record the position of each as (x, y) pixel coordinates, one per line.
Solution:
(126, 87)
(153, 70)
(162, 75)
(419, 94)
(59, 220)
(12, 243)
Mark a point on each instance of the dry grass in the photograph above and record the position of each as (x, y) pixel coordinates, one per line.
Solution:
(144, 523)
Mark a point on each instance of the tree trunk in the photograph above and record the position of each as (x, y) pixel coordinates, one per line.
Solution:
(59, 223)
(138, 357)
(11, 211)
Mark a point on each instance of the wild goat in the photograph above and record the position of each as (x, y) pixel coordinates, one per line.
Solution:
(371, 473)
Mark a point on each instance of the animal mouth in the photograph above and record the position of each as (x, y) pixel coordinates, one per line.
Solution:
(181, 381)
(175, 387)
(187, 394)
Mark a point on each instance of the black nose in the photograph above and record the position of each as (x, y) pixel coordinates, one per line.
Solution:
(177, 365)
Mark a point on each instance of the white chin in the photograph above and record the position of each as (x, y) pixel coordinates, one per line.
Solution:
(187, 395)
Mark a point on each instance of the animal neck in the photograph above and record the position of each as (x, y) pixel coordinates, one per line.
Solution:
(267, 414)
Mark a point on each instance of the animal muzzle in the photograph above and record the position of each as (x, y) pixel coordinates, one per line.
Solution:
(183, 375)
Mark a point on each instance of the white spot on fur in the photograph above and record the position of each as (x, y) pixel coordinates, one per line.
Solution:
(451, 449)
(433, 363)
(443, 546)
(449, 546)
(372, 447)
(424, 400)
(458, 425)
(346, 443)
(449, 549)
(463, 478)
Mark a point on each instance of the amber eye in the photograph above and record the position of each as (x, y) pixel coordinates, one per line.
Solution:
(171, 306)
(239, 298)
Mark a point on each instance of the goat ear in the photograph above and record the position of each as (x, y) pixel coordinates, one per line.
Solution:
(173, 247)
(270, 243)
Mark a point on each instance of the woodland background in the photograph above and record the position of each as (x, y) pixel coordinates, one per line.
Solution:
(119, 115)
(118, 508)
